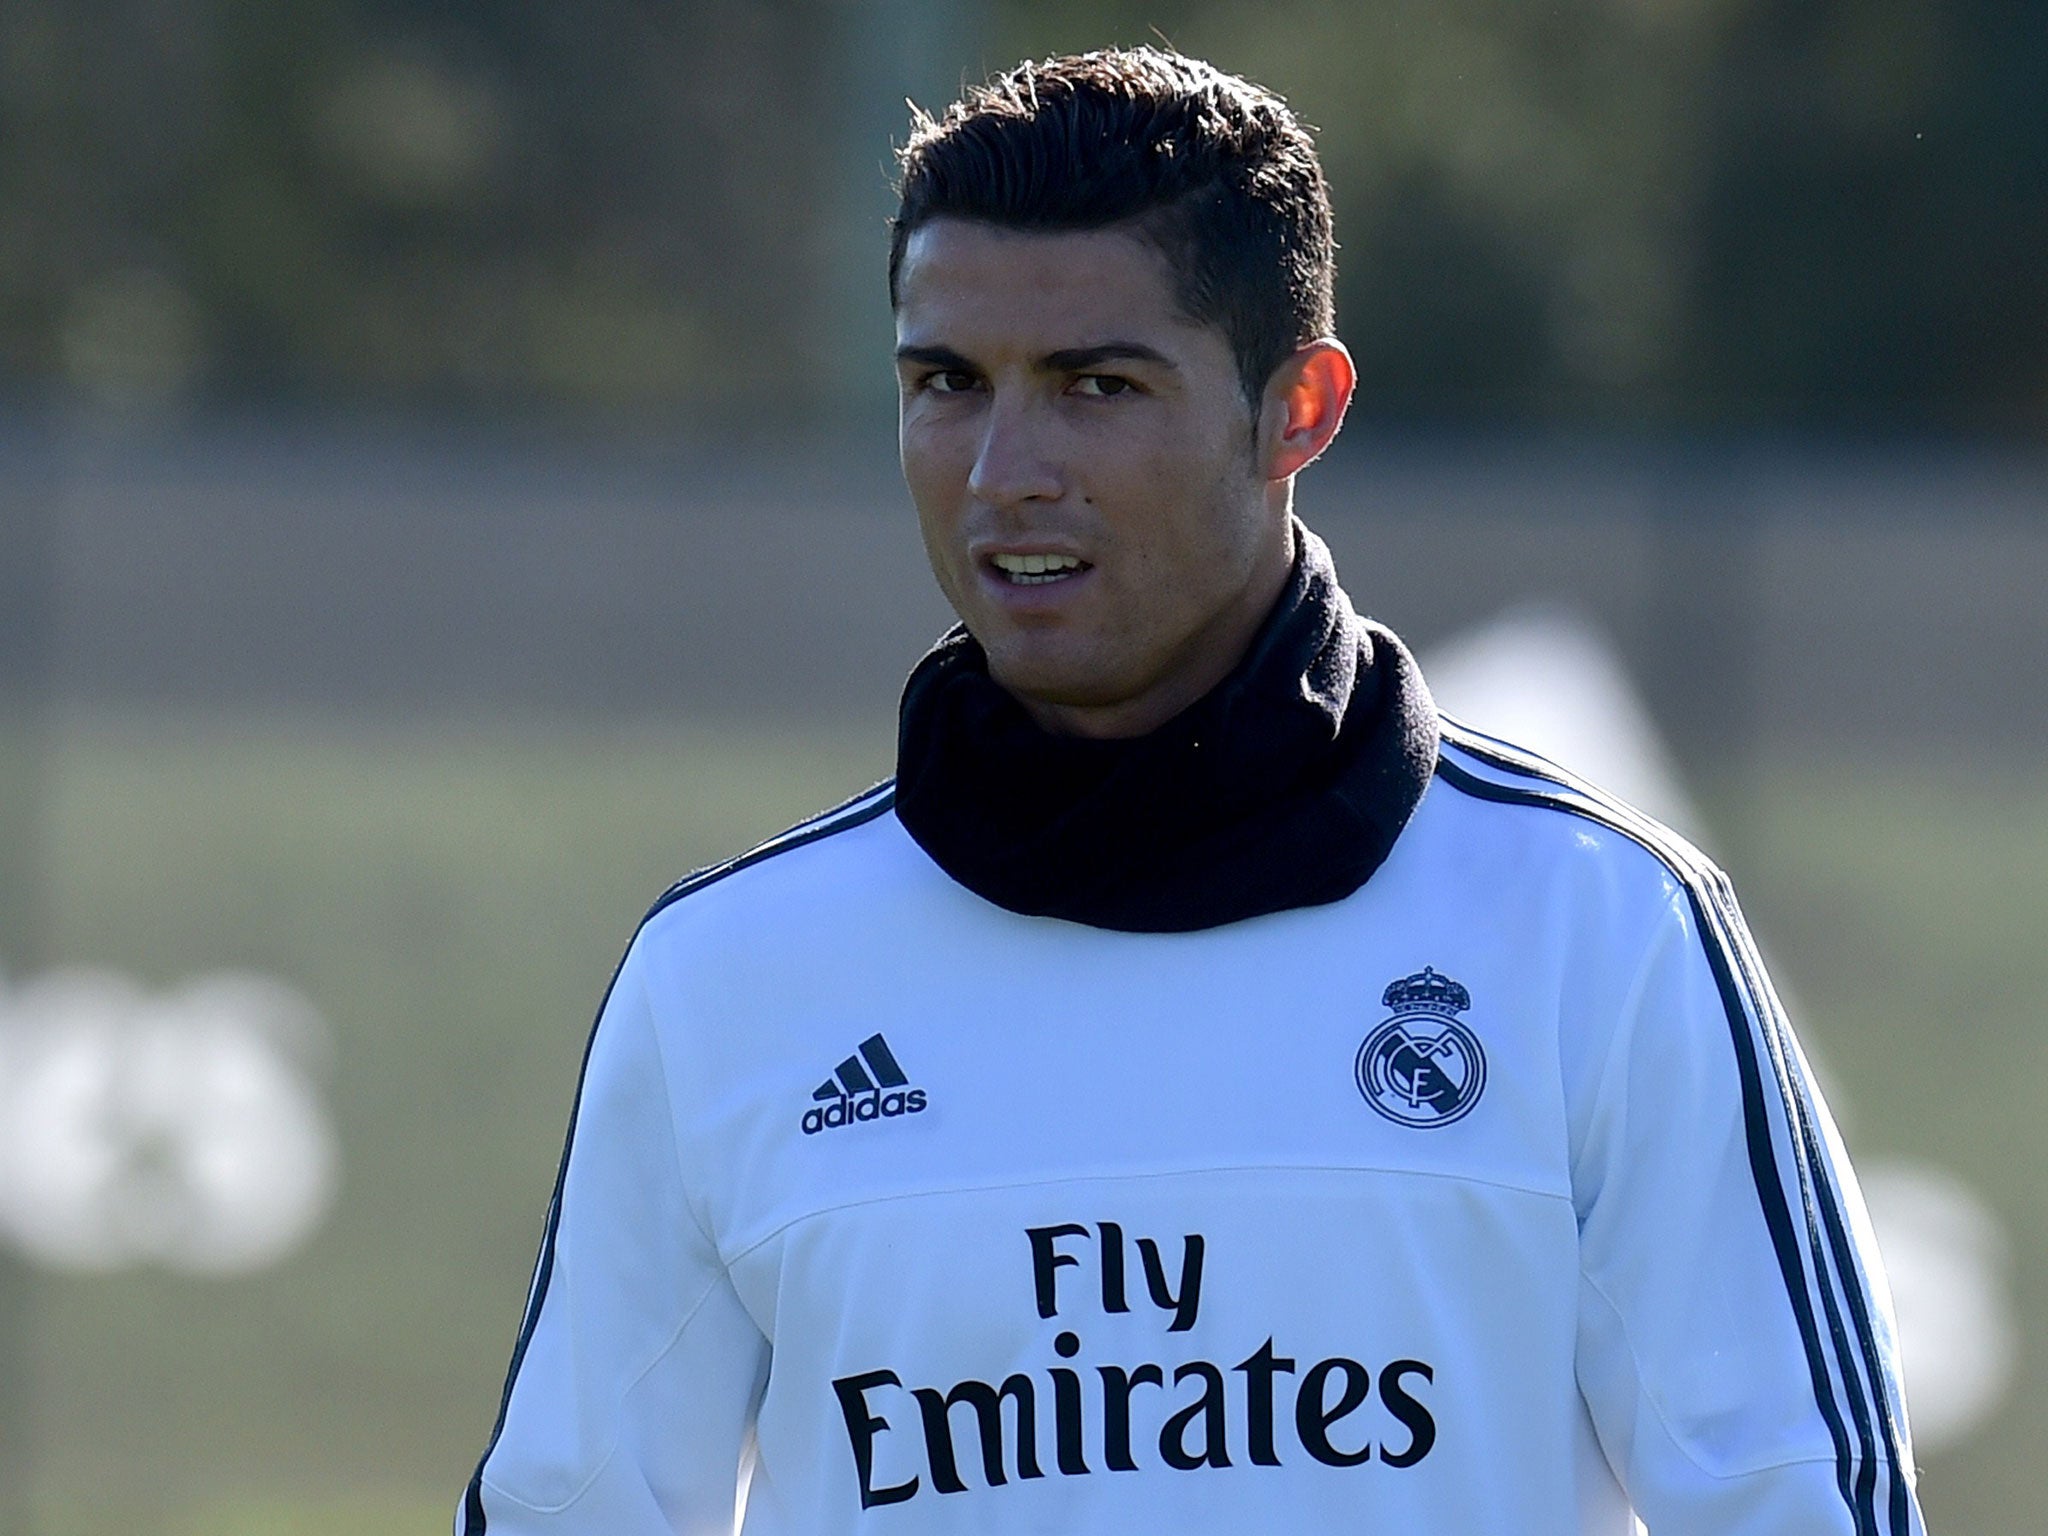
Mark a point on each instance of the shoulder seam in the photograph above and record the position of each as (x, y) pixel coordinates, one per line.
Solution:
(1505, 755)
(859, 811)
(953, 1191)
(1531, 770)
(1528, 790)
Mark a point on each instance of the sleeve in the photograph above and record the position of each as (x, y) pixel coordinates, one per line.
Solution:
(1735, 1347)
(637, 1373)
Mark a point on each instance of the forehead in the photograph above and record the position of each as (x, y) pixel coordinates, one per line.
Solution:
(963, 282)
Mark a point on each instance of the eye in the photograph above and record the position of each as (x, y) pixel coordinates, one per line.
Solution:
(947, 381)
(1103, 386)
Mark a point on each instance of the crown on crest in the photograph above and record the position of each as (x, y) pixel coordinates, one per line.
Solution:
(1429, 991)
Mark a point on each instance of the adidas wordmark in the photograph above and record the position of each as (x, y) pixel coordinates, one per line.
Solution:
(868, 1085)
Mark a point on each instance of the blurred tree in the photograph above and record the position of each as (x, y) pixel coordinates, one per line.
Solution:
(1872, 213)
(1664, 211)
(1595, 211)
(401, 201)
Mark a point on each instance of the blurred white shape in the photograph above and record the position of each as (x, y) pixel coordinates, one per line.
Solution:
(184, 1129)
(1545, 678)
(1947, 1256)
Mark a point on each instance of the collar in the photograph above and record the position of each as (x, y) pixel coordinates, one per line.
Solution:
(1284, 786)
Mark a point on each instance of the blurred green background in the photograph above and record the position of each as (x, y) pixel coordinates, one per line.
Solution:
(445, 495)
(1592, 212)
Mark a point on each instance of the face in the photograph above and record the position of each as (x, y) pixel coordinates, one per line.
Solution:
(1097, 498)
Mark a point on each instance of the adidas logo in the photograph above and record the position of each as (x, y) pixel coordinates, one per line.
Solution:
(866, 1086)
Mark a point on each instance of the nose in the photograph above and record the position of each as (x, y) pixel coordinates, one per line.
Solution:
(1013, 465)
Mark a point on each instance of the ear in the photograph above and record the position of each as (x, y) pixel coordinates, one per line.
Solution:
(1304, 406)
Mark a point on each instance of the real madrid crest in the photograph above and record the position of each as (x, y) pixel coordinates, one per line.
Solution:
(1422, 1066)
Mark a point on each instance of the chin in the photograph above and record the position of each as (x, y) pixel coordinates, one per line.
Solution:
(1046, 682)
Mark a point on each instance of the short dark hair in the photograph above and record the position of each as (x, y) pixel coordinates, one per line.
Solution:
(1213, 171)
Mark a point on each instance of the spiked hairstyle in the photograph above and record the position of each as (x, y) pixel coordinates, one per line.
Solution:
(1214, 172)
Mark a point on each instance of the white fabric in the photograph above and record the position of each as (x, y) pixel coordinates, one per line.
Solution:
(1567, 1299)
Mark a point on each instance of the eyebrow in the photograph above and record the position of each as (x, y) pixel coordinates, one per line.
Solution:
(1081, 359)
(935, 357)
(1067, 360)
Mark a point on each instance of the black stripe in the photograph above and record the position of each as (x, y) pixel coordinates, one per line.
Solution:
(824, 824)
(1801, 1118)
(854, 1077)
(820, 826)
(883, 1061)
(1808, 1120)
(1762, 1155)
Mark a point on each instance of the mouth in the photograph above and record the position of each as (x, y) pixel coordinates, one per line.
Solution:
(1036, 570)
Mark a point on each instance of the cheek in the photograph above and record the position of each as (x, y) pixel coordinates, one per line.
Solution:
(936, 494)
(933, 479)
(1187, 503)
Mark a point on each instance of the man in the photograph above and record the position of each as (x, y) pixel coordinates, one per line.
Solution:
(1203, 1091)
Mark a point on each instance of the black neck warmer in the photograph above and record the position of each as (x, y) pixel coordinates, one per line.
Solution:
(1284, 786)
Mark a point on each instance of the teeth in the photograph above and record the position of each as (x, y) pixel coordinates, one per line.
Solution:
(1030, 569)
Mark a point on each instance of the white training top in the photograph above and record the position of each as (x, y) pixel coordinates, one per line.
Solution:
(1494, 1198)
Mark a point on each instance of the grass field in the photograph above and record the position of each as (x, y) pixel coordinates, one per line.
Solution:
(453, 902)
